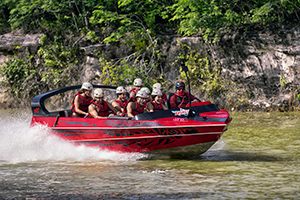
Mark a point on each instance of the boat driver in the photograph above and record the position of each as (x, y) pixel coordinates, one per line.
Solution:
(140, 105)
(181, 97)
(100, 108)
(121, 102)
(82, 100)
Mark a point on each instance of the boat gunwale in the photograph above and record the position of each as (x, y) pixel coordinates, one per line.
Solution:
(132, 127)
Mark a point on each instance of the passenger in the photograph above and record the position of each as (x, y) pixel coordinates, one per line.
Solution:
(148, 92)
(82, 100)
(137, 83)
(158, 103)
(181, 98)
(157, 86)
(121, 102)
(139, 106)
(100, 108)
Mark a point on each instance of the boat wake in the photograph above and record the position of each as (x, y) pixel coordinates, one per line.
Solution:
(22, 143)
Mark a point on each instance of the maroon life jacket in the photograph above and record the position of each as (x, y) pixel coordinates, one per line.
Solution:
(157, 106)
(182, 101)
(122, 104)
(134, 90)
(84, 103)
(164, 97)
(102, 109)
(138, 109)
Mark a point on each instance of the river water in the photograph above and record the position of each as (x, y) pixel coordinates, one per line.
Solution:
(257, 158)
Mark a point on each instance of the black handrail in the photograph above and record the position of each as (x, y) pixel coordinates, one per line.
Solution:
(38, 102)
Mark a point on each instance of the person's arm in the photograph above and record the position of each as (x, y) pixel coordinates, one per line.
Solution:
(116, 111)
(149, 107)
(93, 112)
(130, 109)
(184, 102)
(77, 110)
(164, 106)
(116, 106)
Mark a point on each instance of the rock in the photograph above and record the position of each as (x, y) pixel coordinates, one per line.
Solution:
(90, 70)
(17, 41)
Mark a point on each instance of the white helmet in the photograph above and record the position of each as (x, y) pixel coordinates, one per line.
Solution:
(146, 90)
(98, 93)
(141, 94)
(156, 86)
(138, 82)
(120, 90)
(156, 92)
(87, 86)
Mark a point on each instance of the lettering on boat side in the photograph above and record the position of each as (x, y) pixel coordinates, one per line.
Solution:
(124, 123)
(78, 123)
(177, 119)
(156, 131)
(181, 112)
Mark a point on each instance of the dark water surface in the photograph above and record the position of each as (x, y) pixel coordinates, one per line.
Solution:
(257, 158)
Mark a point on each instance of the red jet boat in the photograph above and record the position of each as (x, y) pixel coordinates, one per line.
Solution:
(189, 131)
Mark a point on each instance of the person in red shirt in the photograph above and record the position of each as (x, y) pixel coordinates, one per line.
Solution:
(157, 86)
(82, 100)
(121, 102)
(181, 98)
(148, 92)
(100, 108)
(137, 83)
(158, 103)
(140, 105)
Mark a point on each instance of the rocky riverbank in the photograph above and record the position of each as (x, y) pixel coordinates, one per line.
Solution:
(261, 68)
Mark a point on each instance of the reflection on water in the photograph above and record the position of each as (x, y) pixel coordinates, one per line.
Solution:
(258, 158)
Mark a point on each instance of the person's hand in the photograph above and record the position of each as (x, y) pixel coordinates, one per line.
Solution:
(86, 115)
(119, 113)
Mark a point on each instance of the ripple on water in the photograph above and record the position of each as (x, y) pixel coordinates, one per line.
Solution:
(257, 158)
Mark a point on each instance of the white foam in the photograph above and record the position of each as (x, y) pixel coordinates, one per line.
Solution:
(21, 143)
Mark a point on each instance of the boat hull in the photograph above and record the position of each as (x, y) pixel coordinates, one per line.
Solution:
(193, 128)
(167, 135)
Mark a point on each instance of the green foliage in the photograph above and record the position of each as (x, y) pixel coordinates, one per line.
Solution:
(49, 16)
(134, 22)
(113, 20)
(203, 75)
(123, 74)
(210, 18)
(17, 71)
(282, 81)
(56, 59)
